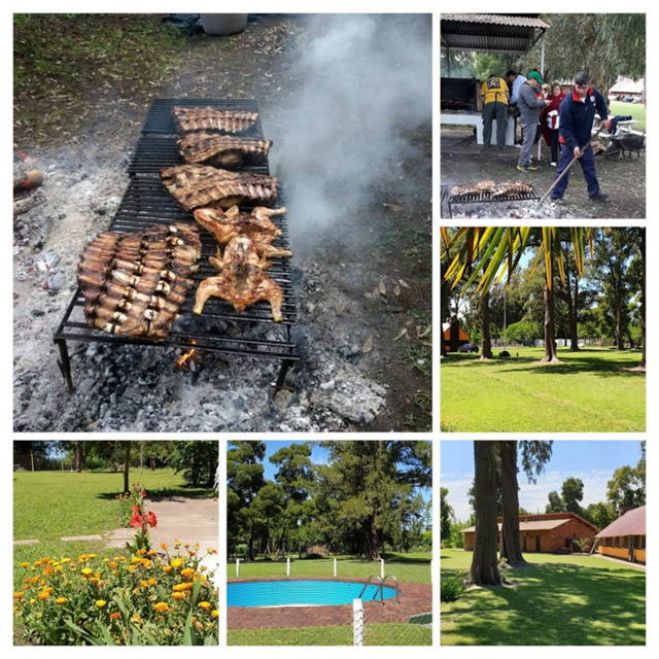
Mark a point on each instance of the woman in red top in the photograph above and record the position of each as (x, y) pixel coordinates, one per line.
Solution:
(549, 121)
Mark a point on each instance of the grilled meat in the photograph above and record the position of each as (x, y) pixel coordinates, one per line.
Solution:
(242, 281)
(511, 189)
(226, 225)
(195, 186)
(209, 118)
(135, 283)
(490, 189)
(221, 150)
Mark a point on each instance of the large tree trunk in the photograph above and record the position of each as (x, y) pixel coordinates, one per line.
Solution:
(127, 447)
(550, 332)
(455, 333)
(486, 340)
(78, 456)
(510, 547)
(484, 569)
(642, 300)
(573, 315)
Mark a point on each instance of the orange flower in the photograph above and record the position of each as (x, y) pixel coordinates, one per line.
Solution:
(161, 607)
(179, 596)
(115, 615)
(43, 595)
(179, 587)
(187, 572)
(167, 569)
(18, 595)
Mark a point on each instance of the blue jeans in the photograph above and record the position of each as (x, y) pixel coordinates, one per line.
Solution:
(587, 162)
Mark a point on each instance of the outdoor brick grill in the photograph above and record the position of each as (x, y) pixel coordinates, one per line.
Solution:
(146, 202)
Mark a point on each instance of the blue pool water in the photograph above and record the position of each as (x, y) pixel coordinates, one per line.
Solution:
(308, 592)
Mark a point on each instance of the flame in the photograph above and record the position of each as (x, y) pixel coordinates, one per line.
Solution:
(187, 356)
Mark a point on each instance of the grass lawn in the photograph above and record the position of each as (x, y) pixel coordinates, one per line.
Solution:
(636, 110)
(51, 504)
(559, 600)
(413, 567)
(590, 391)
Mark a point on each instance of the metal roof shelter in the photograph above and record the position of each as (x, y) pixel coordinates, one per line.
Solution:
(512, 33)
(631, 523)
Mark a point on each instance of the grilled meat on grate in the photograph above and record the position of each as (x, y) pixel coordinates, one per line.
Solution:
(194, 186)
(242, 280)
(489, 189)
(221, 150)
(135, 283)
(209, 118)
(226, 225)
(511, 189)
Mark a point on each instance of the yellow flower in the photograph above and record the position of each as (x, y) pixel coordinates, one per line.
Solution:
(176, 562)
(25, 564)
(61, 600)
(182, 586)
(152, 552)
(100, 603)
(164, 546)
(141, 552)
(215, 613)
(179, 596)
(144, 583)
(161, 607)
(18, 595)
(152, 581)
(167, 569)
(65, 560)
(210, 550)
(205, 605)
(136, 618)
(136, 559)
(86, 571)
(43, 595)
(187, 572)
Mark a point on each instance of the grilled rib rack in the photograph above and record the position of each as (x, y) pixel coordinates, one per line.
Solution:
(219, 328)
(449, 200)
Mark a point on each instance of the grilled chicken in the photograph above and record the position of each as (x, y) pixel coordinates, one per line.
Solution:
(226, 225)
(209, 118)
(221, 150)
(135, 283)
(242, 281)
(196, 186)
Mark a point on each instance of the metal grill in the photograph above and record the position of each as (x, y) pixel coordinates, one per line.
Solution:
(219, 328)
(485, 198)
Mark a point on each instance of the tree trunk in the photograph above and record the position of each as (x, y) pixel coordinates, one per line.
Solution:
(484, 569)
(510, 547)
(573, 316)
(127, 447)
(550, 332)
(486, 341)
(78, 457)
(620, 343)
(642, 300)
(455, 333)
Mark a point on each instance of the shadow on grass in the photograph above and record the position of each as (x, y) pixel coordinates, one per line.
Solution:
(164, 493)
(573, 362)
(401, 558)
(554, 605)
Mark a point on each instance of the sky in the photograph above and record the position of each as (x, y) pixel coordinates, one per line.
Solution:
(592, 461)
(319, 455)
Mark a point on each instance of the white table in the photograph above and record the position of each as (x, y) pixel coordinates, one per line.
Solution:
(476, 119)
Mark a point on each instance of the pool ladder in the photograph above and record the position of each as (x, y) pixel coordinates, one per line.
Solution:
(380, 583)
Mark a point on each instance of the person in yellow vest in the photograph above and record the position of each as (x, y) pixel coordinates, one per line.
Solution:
(494, 91)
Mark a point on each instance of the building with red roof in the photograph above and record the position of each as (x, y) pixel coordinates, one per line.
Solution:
(625, 537)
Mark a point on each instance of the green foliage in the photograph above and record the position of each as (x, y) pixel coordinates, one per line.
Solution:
(600, 514)
(451, 588)
(197, 460)
(572, 494)
(446, 514)
(626, 489)
(522, 331)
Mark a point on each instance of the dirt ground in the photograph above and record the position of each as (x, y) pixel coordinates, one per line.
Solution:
(463, 161)
(364, 303)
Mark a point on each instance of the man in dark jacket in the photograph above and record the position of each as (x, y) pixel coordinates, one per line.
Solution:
(529, 105)
(576, 115)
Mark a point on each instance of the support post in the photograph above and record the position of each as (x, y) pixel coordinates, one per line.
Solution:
(283, 369)
(382, 568)
(288, 567)
(65, 364)
(237, 567)
(542, 71)
(357, 622)
(334, 568)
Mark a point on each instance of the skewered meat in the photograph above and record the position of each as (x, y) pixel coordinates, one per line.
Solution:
(194, 186)
(242, 281)
(209, 118)
(511, 189)
(135, 283)
(221, 150)
(226, 225)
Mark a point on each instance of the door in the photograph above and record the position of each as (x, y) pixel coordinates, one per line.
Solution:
(537, 543)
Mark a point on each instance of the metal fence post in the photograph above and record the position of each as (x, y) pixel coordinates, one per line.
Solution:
(334, 568)
(288, 567)
(357, 622)
(382, 568)
(237, 567)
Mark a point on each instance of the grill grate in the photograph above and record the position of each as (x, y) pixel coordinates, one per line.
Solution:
(220, 328)
(160, 120)
(474, 198)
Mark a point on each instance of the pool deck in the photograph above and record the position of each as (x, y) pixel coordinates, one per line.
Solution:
(415, 598)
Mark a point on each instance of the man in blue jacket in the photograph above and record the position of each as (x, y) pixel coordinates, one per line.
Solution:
(575, 123)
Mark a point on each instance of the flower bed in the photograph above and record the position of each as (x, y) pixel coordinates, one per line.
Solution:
(150, 597)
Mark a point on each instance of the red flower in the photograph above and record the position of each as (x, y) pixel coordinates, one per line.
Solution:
(135, 520)
(151, 519)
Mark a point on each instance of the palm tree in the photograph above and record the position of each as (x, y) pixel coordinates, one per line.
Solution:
(488, 254)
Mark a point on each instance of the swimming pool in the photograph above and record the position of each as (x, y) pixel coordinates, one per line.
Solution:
(302, 592)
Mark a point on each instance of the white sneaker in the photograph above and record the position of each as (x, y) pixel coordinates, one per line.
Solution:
(553, 164)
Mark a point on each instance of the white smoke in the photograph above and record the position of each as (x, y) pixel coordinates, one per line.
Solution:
(364, 81)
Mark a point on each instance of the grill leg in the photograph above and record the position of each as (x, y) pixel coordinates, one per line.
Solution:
(283, 369)
(64, 364)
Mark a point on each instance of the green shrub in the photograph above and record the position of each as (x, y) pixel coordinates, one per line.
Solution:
(451, 589)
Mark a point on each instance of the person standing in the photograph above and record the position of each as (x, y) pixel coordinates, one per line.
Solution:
(515, 81)
(549, 120)
(529, 108)
(494, 91)
(576, 116)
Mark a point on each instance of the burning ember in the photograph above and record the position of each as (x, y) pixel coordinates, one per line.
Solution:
(187, 357)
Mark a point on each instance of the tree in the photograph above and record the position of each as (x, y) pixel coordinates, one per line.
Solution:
(600, 514)
(555, 504)
(447, 517)
(484, 569)
(197, 460)
(626, 489)
(572, 495)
